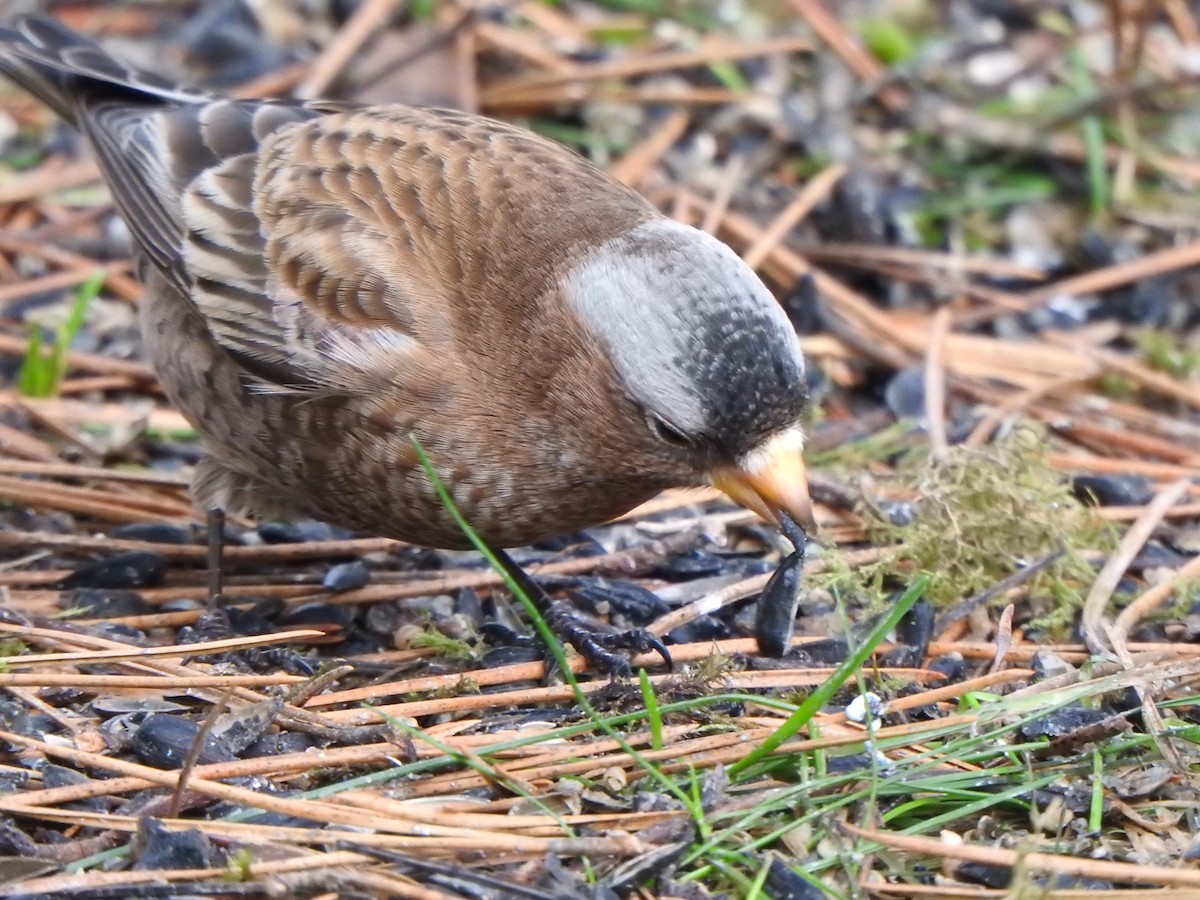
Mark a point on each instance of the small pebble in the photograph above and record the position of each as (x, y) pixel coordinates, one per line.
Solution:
(279, 743)
(14, 718)
(1061, 722)
(827, 652)
(1063, 313)
(54, 776)
(157, 847)
(118, 631)
(1112, 490)
(164, 742)
(988, 876)
(689, 565)
(124, 570)
(102, 604)
(801, 303)
(17, 847)
(863, 706)
(363, 644)
(636, 603)
(385, 618)
(12, 779)
(1187, 539)
(468, 606)
(701, 628)
(898, 513)
(223, 40)
(905, 394)
(339, 616)
(349, 576)
(1154, 555)
(63, 696)
(951, 665)
(1048, 664)
(153, 533)
(308, 531)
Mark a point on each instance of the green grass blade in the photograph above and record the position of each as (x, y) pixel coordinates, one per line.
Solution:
(41, 374)
(831, 685)
(653, 716)
(1092, 129)
(549, 637)
(31, 377)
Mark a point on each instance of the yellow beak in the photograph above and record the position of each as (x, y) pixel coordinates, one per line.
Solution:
(770, 480)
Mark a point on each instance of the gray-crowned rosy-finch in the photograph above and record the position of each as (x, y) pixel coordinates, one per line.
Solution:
(324, 280)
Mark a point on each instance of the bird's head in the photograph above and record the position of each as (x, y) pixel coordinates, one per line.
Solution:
(705, 361)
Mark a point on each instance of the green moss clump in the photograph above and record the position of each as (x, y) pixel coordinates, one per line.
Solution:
(447, 647)
(980, 516)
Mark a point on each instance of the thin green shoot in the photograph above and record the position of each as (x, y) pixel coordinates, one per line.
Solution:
(1092, 128)
(1168, 352)
(422, 10)
(549, 638)
(972, 701)
(544, 631)
(653, 716)
(41, 373)
(888, 40)
(833, 684)
(729, 75)
(820, 758)
(696, 786)
(239, 866)
(1023, 189)
(755, 889)
(927, 824)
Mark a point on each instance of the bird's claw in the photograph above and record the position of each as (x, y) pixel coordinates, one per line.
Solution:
(607, 652)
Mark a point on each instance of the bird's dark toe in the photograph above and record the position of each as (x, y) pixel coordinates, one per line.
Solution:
(605, 651)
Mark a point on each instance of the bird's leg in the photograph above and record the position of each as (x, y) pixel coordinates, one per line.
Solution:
(215, 556)
(603, 650)
(213, 623)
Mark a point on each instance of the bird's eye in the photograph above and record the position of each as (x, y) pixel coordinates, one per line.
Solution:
(668, 433)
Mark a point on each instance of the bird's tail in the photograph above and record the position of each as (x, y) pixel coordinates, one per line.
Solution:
(65, 71)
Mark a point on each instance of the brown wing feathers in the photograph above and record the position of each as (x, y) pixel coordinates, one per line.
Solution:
(325, 280)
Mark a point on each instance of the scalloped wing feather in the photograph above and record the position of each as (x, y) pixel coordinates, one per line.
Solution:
(328, 247)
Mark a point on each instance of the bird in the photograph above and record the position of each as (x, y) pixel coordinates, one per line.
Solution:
(329, 286)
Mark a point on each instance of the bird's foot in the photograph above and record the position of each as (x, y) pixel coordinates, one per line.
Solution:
(605, 651)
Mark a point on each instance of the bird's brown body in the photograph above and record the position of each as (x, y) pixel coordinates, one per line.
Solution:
(325, 282)
(330, 438)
